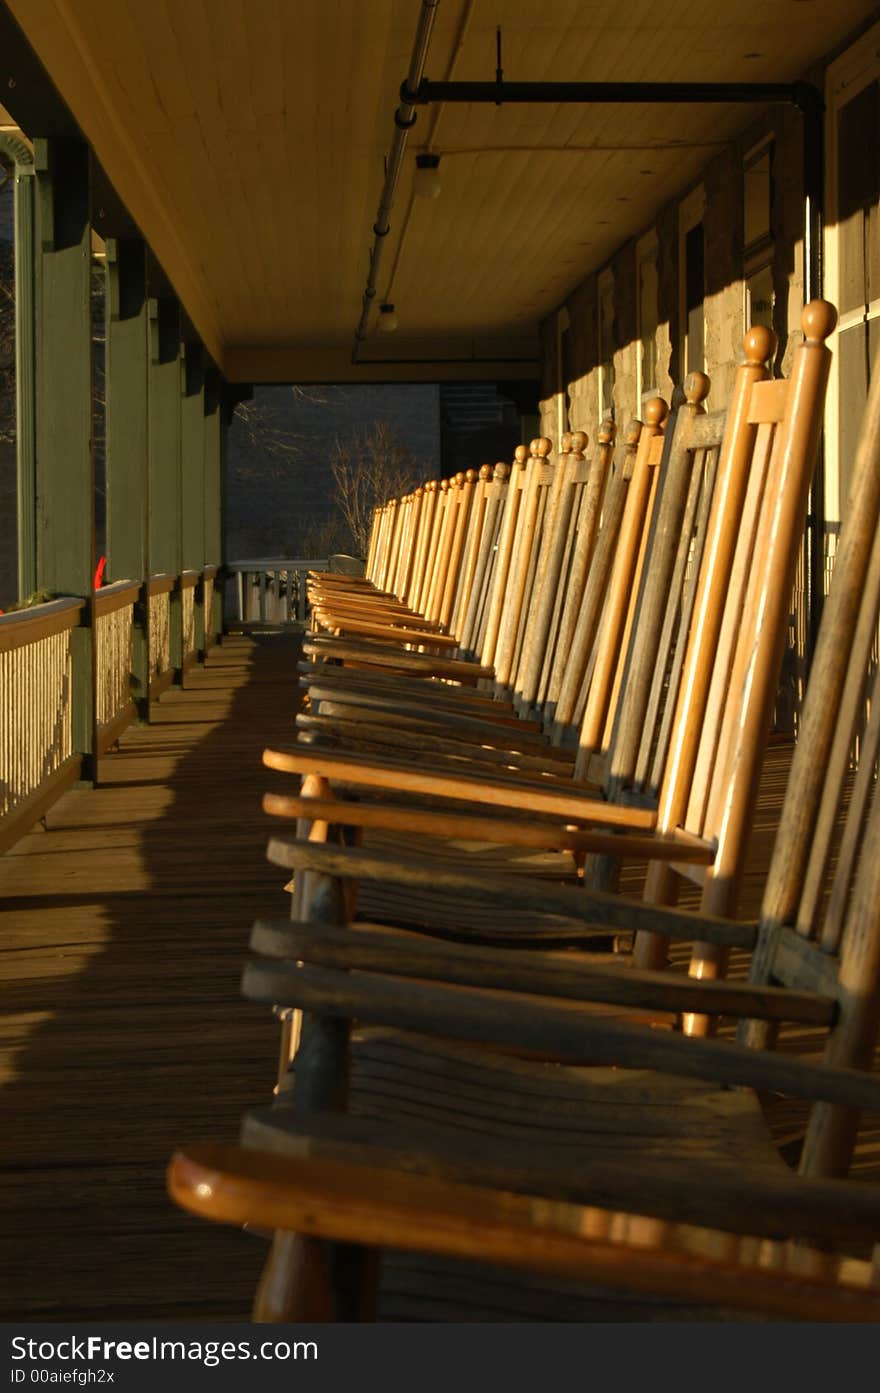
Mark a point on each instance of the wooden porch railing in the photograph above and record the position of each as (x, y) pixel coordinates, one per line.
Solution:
(272, 590)
(209, 576)
(161, 672)
(188, 582)
(37, 758)
(39, 755)
(114, 614)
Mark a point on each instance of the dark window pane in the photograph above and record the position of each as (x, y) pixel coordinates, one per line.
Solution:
(694, 293)
(757, 198)
(858, 191)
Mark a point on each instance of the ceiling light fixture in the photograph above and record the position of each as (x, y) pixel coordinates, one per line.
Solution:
(387, 320)
(426, 180)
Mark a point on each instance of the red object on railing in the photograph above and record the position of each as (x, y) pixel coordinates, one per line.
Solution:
(100, 572)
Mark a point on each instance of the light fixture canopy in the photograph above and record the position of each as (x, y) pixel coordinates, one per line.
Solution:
(426, 180)
(387, 319)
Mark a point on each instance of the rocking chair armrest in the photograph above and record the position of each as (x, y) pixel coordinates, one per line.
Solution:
(351, 1203)
(411, 776)
(510, 830)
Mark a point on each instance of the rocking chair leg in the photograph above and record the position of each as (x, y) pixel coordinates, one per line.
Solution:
(356, 1282)
(296, 1284)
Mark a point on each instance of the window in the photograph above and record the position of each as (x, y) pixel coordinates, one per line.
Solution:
(606, 344)
(758, 196)
(758, 244)
(692, 282)
(563, 369)
(648, 288)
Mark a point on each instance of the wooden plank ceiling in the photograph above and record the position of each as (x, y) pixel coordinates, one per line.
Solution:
(247, 138)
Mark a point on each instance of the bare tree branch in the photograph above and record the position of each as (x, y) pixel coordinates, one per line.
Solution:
(369, 467)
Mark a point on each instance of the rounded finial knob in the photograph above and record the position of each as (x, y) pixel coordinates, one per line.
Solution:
(759, 344)
(444, 485)
(392, 503)
(543, 446)
(696, 387)
(565, 443)
(420, 491)
(656, 411)
(606, 432)
(485, 472)
(470, 475)
(632, 433)
(502, 469)
(579, 441)
(818, 320)
(521, 454)
(533, 446)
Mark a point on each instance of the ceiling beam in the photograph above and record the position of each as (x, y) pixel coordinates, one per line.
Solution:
(303, 365)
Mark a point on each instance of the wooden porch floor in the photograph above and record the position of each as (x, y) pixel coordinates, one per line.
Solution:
(122, 932)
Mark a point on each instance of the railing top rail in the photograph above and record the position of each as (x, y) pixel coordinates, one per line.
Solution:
(26, 626)
(276, 563)
(210, 572)
(189, 579)
(161, 583)
(116, 596)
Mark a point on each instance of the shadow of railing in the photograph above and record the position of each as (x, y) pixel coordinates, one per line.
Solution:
(126, 925)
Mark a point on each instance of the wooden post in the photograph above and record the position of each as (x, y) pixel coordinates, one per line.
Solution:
(213, 499)
(127, 436)
(25, 404)
(192, 468)
(164, 527)
(65, 476)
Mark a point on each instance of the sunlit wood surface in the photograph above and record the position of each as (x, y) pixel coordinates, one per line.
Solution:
(234, 118)
(123, 928)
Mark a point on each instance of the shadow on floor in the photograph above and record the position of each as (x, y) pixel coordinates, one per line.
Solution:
(123, 928)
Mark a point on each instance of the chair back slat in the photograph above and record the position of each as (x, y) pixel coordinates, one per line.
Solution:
(408, 571)
(541, 588)
(613, 615)
(864, 786)
(669, 532)
(622, 523)
(422, 549)
(602, 512)
(495, 604)
(588, 481)
(526, 541)
(463, 505)
(860, 660)
(549, 524)
(471, 549)
(475, 616)
(440, 563)
(653, 748)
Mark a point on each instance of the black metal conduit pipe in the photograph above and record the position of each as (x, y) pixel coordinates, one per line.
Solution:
(803, 95)
(404, 119)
